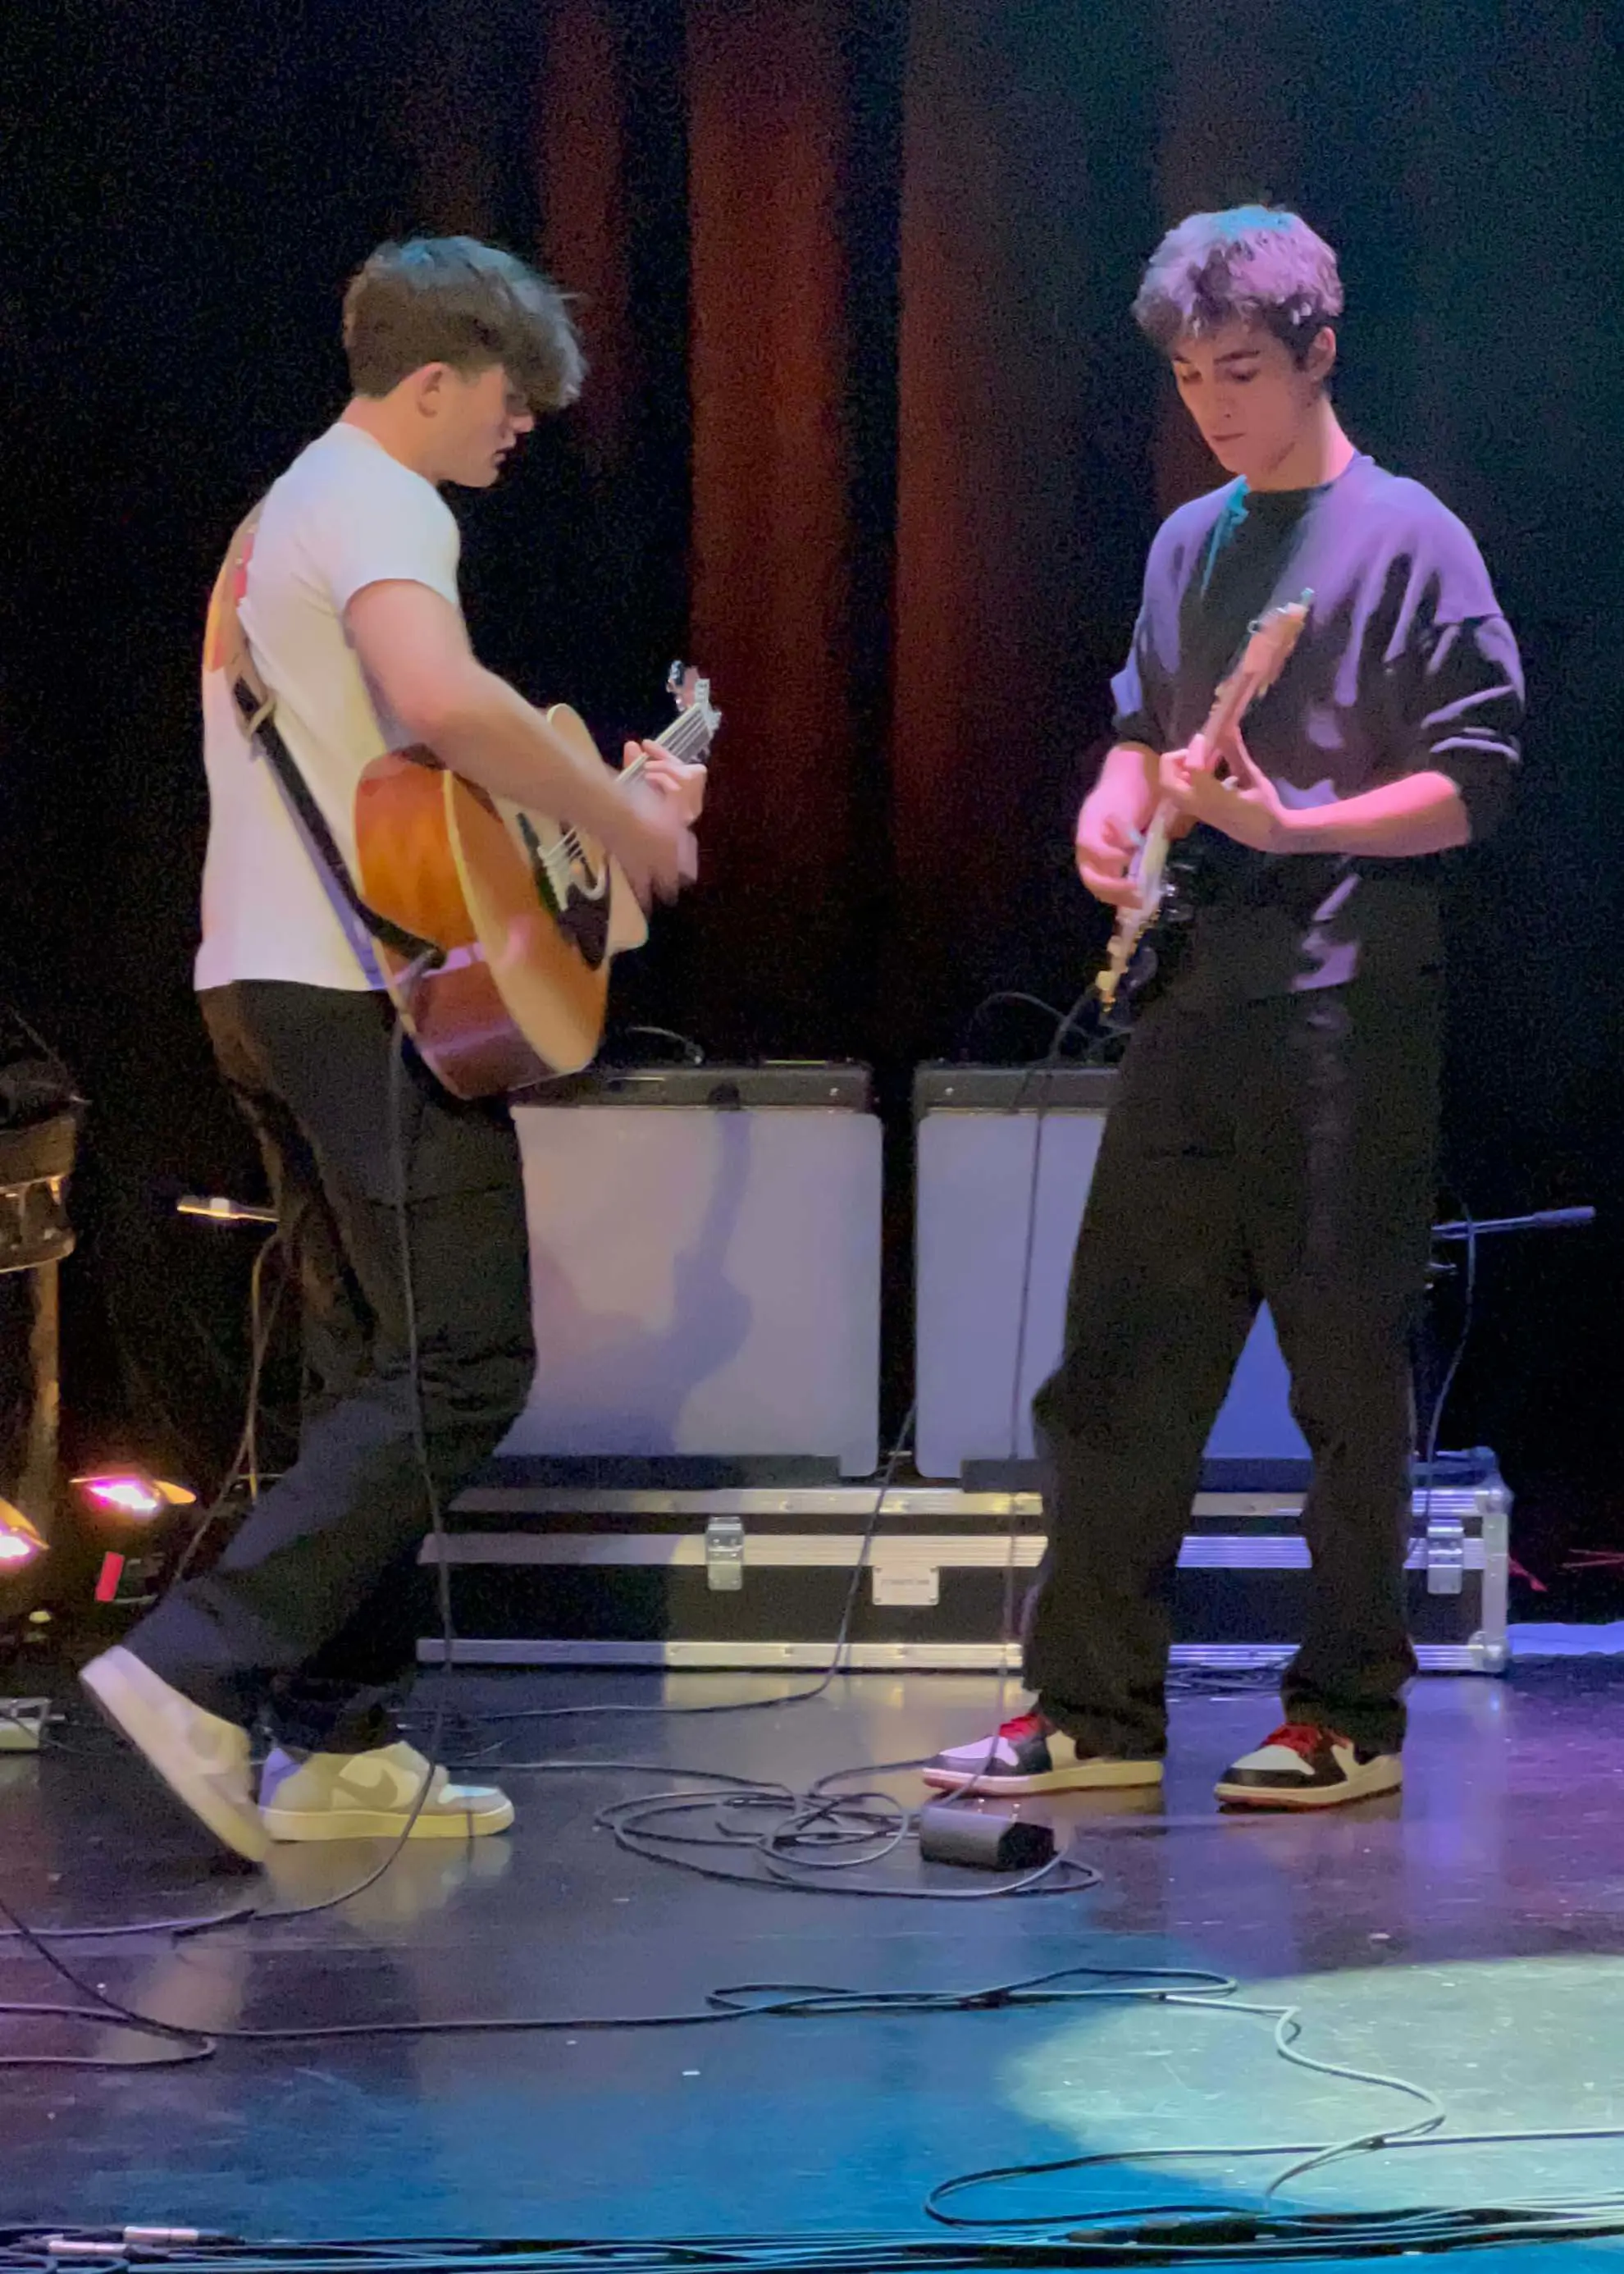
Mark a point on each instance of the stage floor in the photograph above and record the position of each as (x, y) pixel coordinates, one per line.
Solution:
(1469, 1937)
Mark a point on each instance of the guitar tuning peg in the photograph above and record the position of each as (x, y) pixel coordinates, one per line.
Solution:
(675, 676)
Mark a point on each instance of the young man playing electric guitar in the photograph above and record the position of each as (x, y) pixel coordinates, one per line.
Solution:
(1274, 1133)
(350, 614)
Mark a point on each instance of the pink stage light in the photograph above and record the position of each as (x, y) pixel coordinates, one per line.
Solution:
(125, 1495)
(20, 1542)
(132, 1495)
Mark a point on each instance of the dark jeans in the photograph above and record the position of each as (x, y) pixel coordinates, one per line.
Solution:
(1278, 1151)
(306, 1615)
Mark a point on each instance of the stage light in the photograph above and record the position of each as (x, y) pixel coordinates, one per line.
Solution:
(131, 1495)
(126, 1501)
(218, 1208)
(20, 1542)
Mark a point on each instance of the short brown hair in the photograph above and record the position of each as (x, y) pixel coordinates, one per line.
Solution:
(1253, 264)
(453, 300)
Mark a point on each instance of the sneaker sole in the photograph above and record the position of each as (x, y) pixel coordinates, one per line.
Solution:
(1240, 1796)
(118, 1698)
(1097, 1776)
(313, 1824)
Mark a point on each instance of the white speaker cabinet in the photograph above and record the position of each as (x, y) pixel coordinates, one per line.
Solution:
(977, 1130)
(705, 1266)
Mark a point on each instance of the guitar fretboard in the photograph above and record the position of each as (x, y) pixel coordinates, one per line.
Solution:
(688, 734)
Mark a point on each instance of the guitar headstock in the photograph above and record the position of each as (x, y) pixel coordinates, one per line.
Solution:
(1269, 644)
(691, 694)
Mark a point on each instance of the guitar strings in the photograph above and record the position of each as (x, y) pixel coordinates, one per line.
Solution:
(689, 726)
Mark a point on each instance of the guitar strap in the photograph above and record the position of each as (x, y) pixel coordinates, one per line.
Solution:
(226, 649)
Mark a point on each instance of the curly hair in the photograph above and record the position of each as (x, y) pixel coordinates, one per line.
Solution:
(454, 300)
(1252, 264)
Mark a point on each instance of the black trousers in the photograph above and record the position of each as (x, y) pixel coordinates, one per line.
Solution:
(304, 1615)
(1278, 1151)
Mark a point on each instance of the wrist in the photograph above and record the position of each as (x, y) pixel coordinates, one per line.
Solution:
(1110, 802)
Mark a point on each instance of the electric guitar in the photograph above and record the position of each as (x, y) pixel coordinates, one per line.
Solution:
(1268, 646)
(519, 916)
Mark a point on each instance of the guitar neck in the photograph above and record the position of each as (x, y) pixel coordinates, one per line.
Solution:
(1268, 649)
(1230, 706)
(688, 737)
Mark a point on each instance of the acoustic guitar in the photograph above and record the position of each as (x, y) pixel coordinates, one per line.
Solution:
(1268, 646)
(519, 916)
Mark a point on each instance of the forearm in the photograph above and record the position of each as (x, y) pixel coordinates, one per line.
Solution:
(1423, 813)
(492, 736)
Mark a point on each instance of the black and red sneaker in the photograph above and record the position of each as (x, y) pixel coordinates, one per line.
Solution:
(1302, 1766)
(1029, 1754)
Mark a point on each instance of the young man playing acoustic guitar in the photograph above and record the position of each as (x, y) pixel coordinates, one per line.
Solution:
(351, 617)
(1275, 1132)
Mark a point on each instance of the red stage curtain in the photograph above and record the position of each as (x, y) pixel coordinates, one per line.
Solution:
(581, 128)
(998, 241)
(770, 141)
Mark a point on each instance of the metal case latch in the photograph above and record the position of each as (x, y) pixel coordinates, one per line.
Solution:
(1446, 1555)
(724, 1554)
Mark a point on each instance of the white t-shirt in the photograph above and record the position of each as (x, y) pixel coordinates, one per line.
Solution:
(344, 515)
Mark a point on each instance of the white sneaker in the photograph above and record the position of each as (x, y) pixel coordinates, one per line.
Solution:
(371, 1796)
(1301, 1766)
(203, 1760)
(1029, 1754)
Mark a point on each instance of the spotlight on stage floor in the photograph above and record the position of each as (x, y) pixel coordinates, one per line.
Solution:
(131, 1495)
(20, 1542)
(121, 1506)
(21, 1546)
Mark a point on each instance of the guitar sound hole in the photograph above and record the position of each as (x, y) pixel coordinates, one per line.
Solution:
(583, 916)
